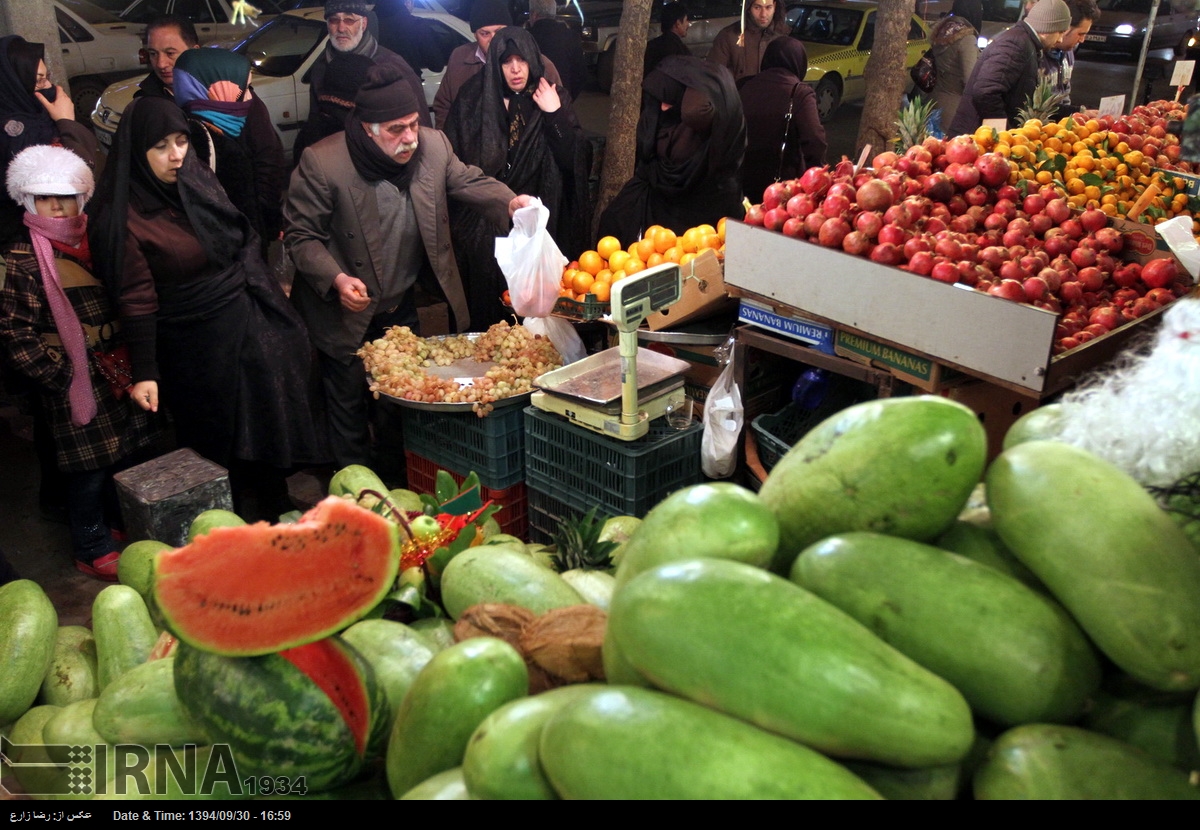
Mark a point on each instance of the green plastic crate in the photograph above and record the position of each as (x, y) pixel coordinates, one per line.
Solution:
(585, 469)
(493, 446)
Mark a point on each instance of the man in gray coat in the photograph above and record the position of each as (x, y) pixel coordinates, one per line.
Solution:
(1007, 70)
(366, 216)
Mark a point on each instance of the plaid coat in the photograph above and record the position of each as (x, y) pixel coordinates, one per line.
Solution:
(26, 326)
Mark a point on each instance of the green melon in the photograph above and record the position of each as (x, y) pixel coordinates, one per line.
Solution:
(259, 589)
(900, 466)
(73, 674)
(28, 627)
(311, 711)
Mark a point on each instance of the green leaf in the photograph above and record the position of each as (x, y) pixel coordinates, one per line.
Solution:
(444, 487)
(1092, 180)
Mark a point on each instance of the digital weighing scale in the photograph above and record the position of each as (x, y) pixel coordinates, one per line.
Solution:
(605, 392)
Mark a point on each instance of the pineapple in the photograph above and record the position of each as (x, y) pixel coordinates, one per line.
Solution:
(578, 546)
(1043, 104)
(913, 123)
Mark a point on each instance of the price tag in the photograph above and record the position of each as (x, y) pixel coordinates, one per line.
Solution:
(1112, 105)
(1182, 76)
(998, 124)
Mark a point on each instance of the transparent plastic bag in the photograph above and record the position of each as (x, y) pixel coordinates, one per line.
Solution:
(561, 333)
(723, 420)
(531, 262)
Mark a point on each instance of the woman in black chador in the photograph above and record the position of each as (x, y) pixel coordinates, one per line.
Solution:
(517, 127)
(691, 140)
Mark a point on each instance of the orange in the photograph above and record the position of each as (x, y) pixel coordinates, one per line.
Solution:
(664, 238)
(633, 266)
(591, 262)
(721, 228)
(583, 281)
(607, 246)
(605, 275)
(650, 231)
(602, 290)
(688, 242)
(654, 259)
(686, 258)
(618, 259)
(673, 253)
(645, 247)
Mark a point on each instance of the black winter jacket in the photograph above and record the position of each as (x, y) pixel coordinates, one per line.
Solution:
(1004, 76)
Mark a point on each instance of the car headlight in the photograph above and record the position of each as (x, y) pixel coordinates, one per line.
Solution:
(982, 41)
(588, 32)
(1124, 29)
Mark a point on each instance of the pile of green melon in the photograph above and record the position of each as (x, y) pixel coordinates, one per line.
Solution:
(864, 626)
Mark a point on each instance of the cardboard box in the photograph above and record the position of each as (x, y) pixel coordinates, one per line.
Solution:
(919, 370)
(785, 322)
(997, 408)
(703, 293)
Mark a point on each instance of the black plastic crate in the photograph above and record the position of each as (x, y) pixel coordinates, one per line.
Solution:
(777, 432)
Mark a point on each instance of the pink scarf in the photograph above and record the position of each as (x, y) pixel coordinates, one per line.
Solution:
(70, 231)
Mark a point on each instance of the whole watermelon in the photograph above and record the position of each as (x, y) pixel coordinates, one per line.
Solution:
(314, 711)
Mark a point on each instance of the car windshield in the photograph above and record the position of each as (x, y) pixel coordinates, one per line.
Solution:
(1003, 11)
(818, 24)
(90, 12)
(280, 47)
(1132, 6)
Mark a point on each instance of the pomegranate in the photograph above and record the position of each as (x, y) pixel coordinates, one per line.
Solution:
(874, 195)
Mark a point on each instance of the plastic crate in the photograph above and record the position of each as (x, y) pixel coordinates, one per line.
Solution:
(512, 516)
(493, 446)
(546, 511)
(586, 469)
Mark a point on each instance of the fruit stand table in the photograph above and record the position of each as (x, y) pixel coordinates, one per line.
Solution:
(1004, 343)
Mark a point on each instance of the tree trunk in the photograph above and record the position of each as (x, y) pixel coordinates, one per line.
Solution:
(889, 78)
(626, 103)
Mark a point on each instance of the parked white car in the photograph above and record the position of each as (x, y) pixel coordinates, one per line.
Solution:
(98, 48)
(213, 19)
(281, 53)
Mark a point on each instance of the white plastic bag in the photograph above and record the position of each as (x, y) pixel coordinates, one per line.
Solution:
(561, 333)
(531, 262)
(723, 417)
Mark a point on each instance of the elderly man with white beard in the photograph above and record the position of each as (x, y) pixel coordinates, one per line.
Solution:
(349, 50)
(366, 217)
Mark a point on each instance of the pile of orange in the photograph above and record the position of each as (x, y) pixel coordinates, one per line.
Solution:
(1092, 165)
(596, 271)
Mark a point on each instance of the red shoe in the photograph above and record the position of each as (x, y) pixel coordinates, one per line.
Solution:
(104, 567)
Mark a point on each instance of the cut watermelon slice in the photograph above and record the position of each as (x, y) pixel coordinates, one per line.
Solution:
(258, 589)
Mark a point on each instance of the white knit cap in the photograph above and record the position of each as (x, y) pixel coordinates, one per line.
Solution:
(46, 170)
(1049, 16)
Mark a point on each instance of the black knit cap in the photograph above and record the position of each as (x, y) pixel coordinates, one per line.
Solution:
(333, 7)
(385, 96)
(489, 13)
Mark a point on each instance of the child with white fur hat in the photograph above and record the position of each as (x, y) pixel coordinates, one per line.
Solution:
(56, 321)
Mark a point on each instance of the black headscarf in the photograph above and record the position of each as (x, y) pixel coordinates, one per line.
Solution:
(498, 131)
(971, 11)
(128, 180)
(22, 116)
(788, 54)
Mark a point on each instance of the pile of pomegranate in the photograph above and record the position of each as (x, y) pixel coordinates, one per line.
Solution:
(946, 211)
